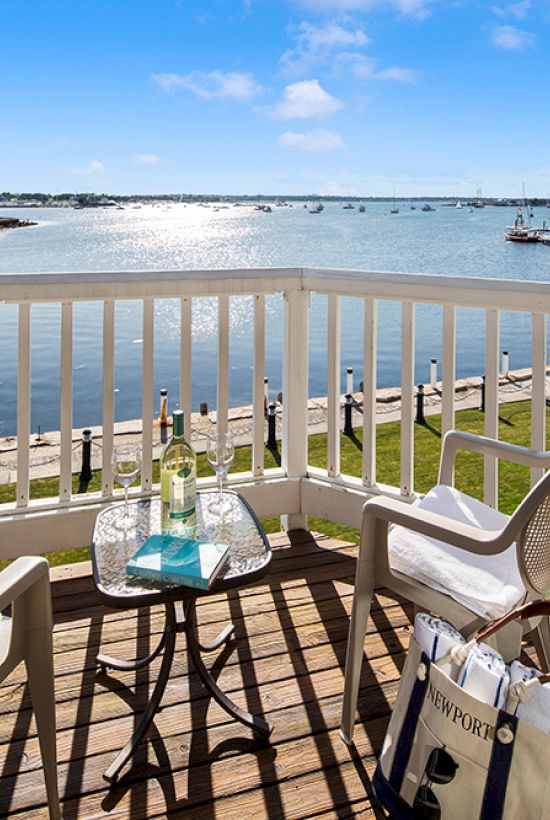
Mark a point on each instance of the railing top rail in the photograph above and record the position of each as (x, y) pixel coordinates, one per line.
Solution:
(467, 291)
(463, 291)
(140, 284)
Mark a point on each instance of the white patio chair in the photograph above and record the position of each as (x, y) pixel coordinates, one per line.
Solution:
(454, 556)
(27, 636)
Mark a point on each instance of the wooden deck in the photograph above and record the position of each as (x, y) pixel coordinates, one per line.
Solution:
(286, 663)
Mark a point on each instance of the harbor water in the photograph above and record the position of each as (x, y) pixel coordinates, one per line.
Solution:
(448, 241)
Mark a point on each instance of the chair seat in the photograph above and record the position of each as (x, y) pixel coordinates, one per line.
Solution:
(488, 585)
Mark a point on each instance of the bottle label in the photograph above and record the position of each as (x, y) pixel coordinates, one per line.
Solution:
(182, 495)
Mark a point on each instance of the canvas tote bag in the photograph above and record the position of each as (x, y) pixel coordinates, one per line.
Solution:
(448, 755)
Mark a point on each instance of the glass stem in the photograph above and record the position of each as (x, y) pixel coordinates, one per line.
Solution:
(126, 504)
(220, 488)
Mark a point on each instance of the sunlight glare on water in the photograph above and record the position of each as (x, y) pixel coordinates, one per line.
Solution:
(179, 236)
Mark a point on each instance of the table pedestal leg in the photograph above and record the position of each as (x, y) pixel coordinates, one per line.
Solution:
(220, 639)
(259, 726)
(169, 642)
(107, 662)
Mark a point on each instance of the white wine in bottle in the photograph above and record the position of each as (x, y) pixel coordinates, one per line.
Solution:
(178, 475)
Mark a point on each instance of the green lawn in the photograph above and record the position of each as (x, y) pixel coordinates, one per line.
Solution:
(515, 426)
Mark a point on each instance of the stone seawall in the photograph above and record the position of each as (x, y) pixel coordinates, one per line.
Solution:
(45, 449)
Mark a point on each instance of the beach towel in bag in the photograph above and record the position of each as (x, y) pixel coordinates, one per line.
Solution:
(448, 755)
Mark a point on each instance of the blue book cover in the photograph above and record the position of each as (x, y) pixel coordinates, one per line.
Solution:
(181, 561)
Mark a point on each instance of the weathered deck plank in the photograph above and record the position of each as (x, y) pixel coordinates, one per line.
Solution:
(287, 663)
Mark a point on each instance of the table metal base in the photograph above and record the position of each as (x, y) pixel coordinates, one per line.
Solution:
(179, 618)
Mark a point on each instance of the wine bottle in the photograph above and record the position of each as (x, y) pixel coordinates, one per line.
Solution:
(178, 471)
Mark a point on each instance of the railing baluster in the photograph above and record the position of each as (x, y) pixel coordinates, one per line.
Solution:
(186, 313)
(258, 387)
(147, 396)
(538, 402)
(66, 414)
(108, 395)
(407, 399)
(295, 394)
(23, 402)
(333, 397)
(448, 374)
(490, 463)
(222, 401)
(369, 393)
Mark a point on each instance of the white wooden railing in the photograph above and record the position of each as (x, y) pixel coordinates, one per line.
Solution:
(296, 489)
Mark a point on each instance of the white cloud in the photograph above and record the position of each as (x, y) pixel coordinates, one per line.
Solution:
(93, 167)
(314, 141)
(304, 100)
(211, 85)
(146, 159)
(363, 67)
(518, 10)
(511, 38)
(315, 45)
(410, 8)
(338, 46)
(354, 63)
(399, 75)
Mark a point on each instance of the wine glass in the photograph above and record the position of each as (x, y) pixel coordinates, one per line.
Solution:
(220, 452)
(126, 463)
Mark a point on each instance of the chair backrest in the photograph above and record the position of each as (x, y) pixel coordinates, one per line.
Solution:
(25, 586)
(533, 542)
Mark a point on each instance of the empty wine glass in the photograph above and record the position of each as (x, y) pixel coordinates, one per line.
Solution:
(220, 452)
(126, 463)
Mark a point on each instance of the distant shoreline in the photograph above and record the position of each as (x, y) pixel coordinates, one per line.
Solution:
(94, 200)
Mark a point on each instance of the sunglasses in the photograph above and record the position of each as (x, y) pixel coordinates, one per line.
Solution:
(440, 769)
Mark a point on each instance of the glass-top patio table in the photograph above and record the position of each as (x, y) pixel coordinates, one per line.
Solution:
(112, 547)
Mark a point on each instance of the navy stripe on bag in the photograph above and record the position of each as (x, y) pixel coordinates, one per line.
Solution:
(408, 729)
(494, 797)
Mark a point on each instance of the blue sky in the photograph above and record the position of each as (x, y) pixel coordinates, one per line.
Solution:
(365, 97)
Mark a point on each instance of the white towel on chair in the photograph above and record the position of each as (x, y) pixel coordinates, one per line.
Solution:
(489, 585)
(485, 675)
(436, 638)
(536, 707)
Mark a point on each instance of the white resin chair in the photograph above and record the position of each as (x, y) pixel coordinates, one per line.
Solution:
(456, 557)
(27, 636)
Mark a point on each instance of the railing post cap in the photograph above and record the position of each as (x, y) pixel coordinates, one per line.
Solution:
(86, 435)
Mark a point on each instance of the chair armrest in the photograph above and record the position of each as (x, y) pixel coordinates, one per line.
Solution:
(19, 576)
(464, 536)
(455, 440)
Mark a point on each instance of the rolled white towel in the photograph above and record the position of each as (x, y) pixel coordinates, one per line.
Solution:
(529, 699)
(485, 676)
(436, 638)
(520, 672)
